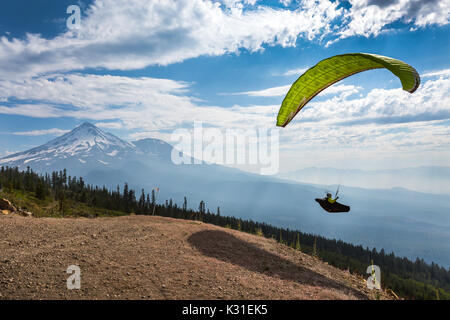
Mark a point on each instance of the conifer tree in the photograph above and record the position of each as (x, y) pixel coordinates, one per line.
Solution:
(315, 247)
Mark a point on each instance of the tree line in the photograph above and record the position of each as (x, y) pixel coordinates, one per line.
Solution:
(410, 279)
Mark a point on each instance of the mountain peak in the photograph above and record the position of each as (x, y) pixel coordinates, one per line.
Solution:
(86, 137)
(86, 125)
(87, 146)
(85, 143)
(89, 128)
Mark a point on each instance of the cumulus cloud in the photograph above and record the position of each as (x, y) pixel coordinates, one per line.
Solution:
(124, 35)
(117, 101)
(429, 102)
(384, 120)
(87, 91)
(372, 17)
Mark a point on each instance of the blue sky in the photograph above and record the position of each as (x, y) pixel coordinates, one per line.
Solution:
(146, 68)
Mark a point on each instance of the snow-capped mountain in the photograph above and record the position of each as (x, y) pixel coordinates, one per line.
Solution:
(86, 147)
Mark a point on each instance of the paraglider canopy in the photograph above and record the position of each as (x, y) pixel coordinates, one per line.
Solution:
(334, 69)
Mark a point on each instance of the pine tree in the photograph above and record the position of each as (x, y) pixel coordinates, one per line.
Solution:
(147, 204)
(40, 191)
(141, 206)
(61, 201)
(126, 205)
(153, 202)
(315, 247)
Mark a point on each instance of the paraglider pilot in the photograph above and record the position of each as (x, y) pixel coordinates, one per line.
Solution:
(330, 198)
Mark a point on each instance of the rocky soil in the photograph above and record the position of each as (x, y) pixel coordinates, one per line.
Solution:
(148, 257)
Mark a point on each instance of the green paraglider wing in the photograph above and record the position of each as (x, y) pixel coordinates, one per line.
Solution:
(334, 69)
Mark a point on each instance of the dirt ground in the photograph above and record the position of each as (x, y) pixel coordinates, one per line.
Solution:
(148, 257)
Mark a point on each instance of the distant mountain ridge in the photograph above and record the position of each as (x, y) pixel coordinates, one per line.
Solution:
(429, 179)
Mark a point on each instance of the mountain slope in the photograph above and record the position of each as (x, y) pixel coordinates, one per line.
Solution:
(86, 148)
(146, 257)
(411, 224)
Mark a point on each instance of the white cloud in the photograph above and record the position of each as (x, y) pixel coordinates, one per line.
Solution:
(53, 131)
(391, 121)
(157, 104)
(125, 35)
(438, 73)
(118, 102)
(118, 34)
(370, 17)
(298, 71)
(87, 91)
(110, 125)
(429, 102)
(32, 110)
(270, 92)
(283, 90)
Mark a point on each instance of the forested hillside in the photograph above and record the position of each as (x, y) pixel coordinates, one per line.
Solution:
(59, 194)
